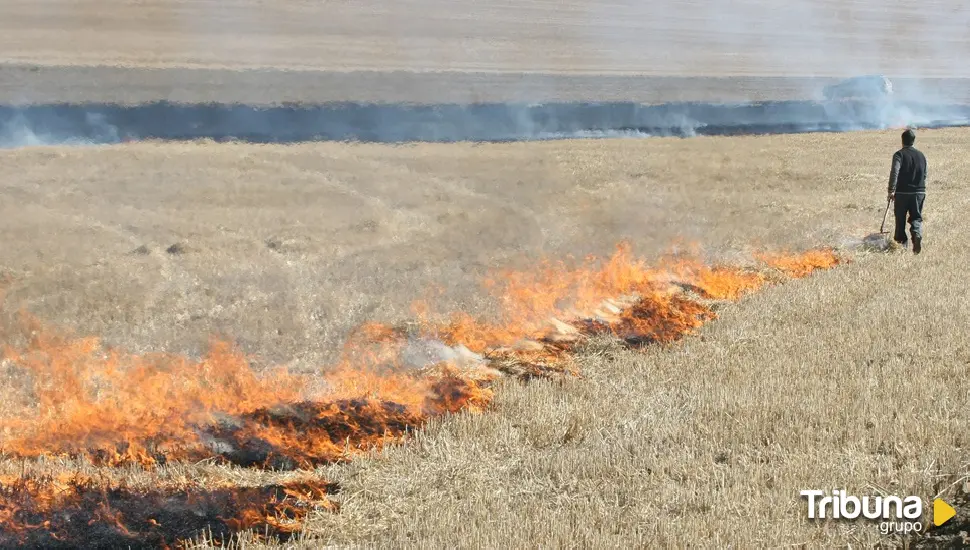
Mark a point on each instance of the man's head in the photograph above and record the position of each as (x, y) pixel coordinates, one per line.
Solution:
(909, 137)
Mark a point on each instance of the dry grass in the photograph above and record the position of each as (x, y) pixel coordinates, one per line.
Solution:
(820, 37)
(288, 247)
(853, 377)
(441, 51)
(34, 84)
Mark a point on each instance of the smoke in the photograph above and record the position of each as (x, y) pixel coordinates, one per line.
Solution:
(424, 352)
(17, 132)
(39, 127)
(92, 123)
(774, 58)
(394, 123)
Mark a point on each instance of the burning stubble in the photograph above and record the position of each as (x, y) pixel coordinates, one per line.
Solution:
(115, 409)
(63, 511)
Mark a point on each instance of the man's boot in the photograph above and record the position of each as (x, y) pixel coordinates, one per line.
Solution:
(917, 245)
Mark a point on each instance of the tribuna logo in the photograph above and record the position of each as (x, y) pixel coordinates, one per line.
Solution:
(840, 505)
(897, 514)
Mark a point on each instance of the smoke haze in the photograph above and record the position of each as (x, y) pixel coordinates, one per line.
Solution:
(500, 55)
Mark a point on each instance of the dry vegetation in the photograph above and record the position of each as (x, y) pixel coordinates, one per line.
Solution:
(807, 38)
(283, 249)
(444, 51)
(853, 377)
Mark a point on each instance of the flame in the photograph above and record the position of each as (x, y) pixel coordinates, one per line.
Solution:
(50, 510)
(799, 265)
(624, 295)
(80, 399)
(117, 408)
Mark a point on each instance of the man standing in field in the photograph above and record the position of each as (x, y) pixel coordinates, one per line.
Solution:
(907, 186)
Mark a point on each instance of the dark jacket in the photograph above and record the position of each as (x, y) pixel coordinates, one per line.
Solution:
(908, 175)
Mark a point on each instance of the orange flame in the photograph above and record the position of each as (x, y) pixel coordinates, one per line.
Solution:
(116, 408)
(50, 510)
(530, 299)
(800, 265)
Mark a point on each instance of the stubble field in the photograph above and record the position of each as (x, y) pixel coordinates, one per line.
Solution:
(435, 51)
(851, 377)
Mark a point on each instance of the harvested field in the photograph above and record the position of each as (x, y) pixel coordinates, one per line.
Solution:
(310, 240)
(833, 379)
(435, 51)
(22, 84)
(744, 38)
(604, 343)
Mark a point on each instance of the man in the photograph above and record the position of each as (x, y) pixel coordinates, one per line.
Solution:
(907, 186)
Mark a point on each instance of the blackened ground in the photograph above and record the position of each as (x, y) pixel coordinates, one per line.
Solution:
(69, 123)
(309, 433)
(86, 515)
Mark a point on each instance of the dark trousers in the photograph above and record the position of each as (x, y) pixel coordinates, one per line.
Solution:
(911, 205)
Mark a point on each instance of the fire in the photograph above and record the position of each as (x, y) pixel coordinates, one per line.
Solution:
(800, 265)
(54, 510)
(624, 296)
(651, 321)
(115, 408)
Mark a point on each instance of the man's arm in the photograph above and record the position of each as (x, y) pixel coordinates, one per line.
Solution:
(894, 174)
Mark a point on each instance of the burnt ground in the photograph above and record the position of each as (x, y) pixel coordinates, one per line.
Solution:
(103, 105)
(81, 123)
(85, 514)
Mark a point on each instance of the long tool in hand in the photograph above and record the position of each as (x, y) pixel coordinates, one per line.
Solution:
(882, 228)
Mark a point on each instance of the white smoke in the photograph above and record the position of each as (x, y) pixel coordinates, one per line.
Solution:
(541, 48)
(17, 132)
(21, 130)
(594, 134)
(421, 353)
